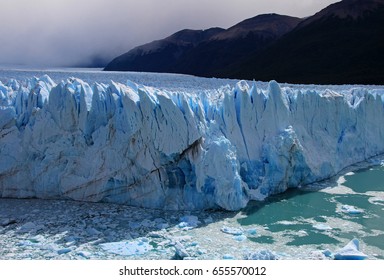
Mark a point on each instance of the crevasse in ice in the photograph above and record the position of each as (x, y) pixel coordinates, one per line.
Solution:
(127, 143)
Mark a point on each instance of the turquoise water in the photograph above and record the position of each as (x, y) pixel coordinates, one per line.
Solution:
(326, 219)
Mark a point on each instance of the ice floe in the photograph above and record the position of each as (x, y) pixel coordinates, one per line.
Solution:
(351, 209)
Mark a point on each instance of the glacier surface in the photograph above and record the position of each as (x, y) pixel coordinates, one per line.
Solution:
(177, 150)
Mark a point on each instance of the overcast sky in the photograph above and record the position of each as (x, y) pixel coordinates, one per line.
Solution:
(71, 32)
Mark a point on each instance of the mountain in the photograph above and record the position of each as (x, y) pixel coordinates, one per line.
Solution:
(203, 52)
(233, 44)
(343, 43)
(161, 55)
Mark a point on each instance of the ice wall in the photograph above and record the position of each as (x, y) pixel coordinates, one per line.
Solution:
(174, 150)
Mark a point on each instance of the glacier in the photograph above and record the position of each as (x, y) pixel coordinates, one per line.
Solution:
(143, 146)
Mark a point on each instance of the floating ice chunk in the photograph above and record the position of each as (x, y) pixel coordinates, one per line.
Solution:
(350, 252)
(27, 243)
(302, 233)
(127, 248)
(351, 209)
(160, 223)
(228, 257)
(201, 251)
(251, 231)
(322, 227)
(193, 244)
(376, 200)
(85, 254)
(190, 221)
(184, 226)
(233, 231)
(287, 223)
(261, 255)
(181, 252)
(70, 239)
(64, 251)
(156, 234)
(144, 239)
(240, 238)
(327, 253)
(316, 255)
(341, 180)
(339, 189)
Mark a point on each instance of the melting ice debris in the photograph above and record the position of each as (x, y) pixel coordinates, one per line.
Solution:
(64, 251)
(251, 231)
(181, 252)
(228, 257)
(327, 253)
(350, 252)
(351, 209)
(284, 222)
(131, 144)
(160, 223)
(377, 200)
(239, 238)
(261, 255)
(322, 227)
(189, 221)
(127, 248)
(302, 233)
(233, 231)
(85, 254)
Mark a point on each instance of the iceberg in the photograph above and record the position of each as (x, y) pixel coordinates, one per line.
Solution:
(178, 150)
(351, 251)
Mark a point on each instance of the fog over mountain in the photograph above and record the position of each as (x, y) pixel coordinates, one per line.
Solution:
(91, 33)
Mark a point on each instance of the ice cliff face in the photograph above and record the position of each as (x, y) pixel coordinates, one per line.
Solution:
(141, 146)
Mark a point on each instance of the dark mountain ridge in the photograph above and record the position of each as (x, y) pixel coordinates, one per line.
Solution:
(160, 55)
(201, 52)
(234, 44)
(343, 43)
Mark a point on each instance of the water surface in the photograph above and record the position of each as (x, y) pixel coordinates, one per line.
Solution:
(352, 207)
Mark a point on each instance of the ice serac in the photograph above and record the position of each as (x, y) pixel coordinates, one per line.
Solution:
(137, 145)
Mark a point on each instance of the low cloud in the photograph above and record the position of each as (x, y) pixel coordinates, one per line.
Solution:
(80, 32)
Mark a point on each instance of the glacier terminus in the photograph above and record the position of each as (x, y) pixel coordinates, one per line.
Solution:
(144, 146)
